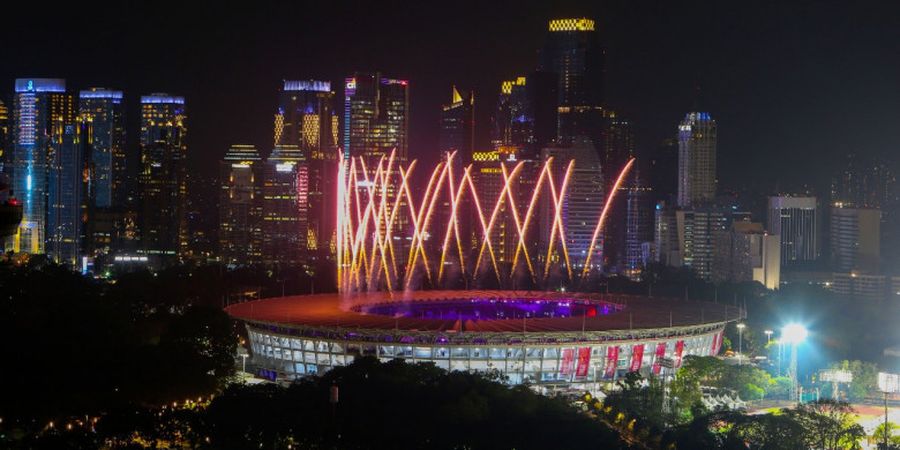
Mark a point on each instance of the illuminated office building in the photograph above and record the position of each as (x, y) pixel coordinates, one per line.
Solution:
(699, 230)
(68, 188)
(796, 221)
(855, 239)
(4, 136)
(41, 108)
(525, 114)
(745, 252)
(163, 177)
(285, 206)
(306, 119)
(240, 206)
(104, 111)
(585, 197)
(573, 52)
(696, 160)
(638, 225)
(458, 125)
(487, 176)
(376, 116)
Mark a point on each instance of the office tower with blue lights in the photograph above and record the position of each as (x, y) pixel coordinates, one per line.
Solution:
(306, 119)
(163, 177)
(240, 206)
(458, 125)
(41, 108)
(696, 160)
(104, 112)
(573, 52)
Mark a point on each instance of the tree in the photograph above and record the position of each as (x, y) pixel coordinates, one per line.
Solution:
(865, 377)
(879, 435)
(828, 424)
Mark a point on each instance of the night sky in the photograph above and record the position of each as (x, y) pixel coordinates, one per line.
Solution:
(792, 86)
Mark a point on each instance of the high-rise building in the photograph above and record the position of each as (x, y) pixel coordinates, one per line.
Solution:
(376, 116)
(306, 119)
(104, 110)
(746, 252)
(698, 231)
(663, 171)
(696, 160)
(584, 198)
(513, 123)
(638, 225)
(666, 248)
(285, 206)
(573, 52)
(796, 221)
(4, 136)
(163, 177)
(855, 239)
(41, 108)
(240, 206)
(458, 125)
(68, 182)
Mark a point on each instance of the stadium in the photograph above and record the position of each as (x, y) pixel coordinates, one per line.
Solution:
(551, 340)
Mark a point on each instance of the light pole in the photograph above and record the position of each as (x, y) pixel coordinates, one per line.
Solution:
(768, 336)
(244, 362)
(740, 328)
(794, 334)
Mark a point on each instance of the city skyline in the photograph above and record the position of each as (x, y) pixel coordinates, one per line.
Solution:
(652, 77)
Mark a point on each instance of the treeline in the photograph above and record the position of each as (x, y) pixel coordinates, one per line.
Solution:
(74, 346)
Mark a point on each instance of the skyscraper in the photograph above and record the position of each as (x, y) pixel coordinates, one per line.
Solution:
(573, 52)
(376, 116)
(513, 123)
(696, 160)
(306, 119)
(41, 108)
(240, 206)
(458, 125)
(68, 182)
(638, 225)
(699, 229)
(4, 136)
(285, 206)
(795, 220)
(163, 176)
(584, 198)
(747, 253)
(104, 110)
(855, 239)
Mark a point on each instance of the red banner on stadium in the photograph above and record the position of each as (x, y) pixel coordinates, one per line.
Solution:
(637, 356)
(679, 350)
(660, 354)
(584, 361)
(717, 343)
(568, 361)
(612, 359)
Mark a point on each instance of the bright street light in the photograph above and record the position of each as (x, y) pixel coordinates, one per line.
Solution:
(794, 333)
(768, 336)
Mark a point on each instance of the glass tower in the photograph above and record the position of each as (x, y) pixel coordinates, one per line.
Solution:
(39, 106)
(572, 51)
(240, 206)
(68, 182)
(306, 119)
(163, 176)
(457, 125)
(104, 110)
(696, 160)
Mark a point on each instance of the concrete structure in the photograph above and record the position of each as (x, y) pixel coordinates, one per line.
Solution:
(855, 239)
(549, 339)
(696, 160)
(240, 206)
(163, 178)
(747, 253)
(796, 221)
